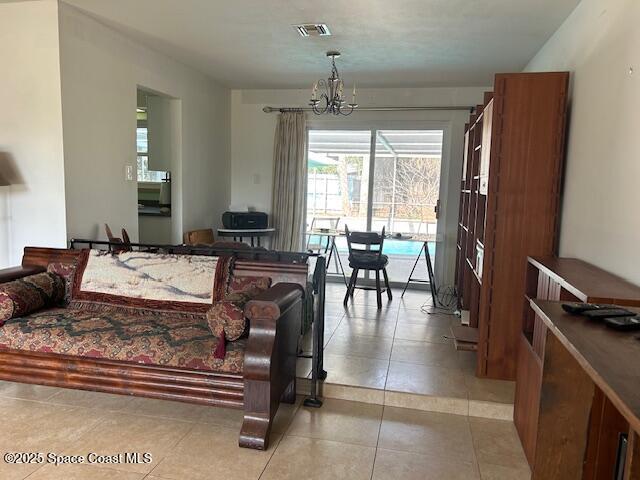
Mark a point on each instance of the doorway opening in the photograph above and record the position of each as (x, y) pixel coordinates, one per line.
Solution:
(158, 157)
(370, 179)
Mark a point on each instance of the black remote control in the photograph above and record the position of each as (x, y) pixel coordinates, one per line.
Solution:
(623, 323)
(608, 312)
(579, 308)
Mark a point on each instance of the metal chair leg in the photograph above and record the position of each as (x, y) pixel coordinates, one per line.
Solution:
(378, 290)
(386, 283)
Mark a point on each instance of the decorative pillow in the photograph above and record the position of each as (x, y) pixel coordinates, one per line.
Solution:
(67, 271)
(29, 294)
(246, 287)
(226, 318)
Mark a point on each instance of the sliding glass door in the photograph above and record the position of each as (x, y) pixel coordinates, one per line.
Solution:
(369, 179)
(406, 188)
(338, 178)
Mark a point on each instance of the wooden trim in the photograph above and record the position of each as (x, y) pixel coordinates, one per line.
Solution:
(15, 273)
(250, 266)
(563, 279)
(527, 397)
(564, 415)
(632, 463)
(588, 282)
(270, 361)
(42, 257)
(587, 367)
(605, 426)
(112, 376)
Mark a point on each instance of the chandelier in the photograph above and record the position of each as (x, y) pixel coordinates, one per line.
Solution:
(332, 100)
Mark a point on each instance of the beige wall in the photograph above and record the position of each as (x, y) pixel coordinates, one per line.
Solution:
(101, 70)
(155, 230)
(252, 133)
(32, 211)
(600, 44)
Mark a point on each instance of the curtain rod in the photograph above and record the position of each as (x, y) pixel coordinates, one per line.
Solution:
(372, 109)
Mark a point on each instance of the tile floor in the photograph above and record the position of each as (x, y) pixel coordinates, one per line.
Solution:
(377, 361)
(401, 356)
(342, 440)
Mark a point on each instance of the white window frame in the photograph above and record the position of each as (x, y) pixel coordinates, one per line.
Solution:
(349, 123)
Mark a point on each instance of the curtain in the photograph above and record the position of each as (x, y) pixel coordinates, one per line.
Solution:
(289, 181)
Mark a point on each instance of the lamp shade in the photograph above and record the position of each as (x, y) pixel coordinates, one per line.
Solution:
(9, 172)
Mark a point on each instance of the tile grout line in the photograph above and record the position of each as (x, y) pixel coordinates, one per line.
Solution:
(475, 453)
(466, 386)
(64, 449)
(330, 440)
(275, 448)
(375, 453)
(39, 468)
(324, 346)
(464, 380)
(193, 426)
(282, 437)
(398, 309)
(386, 378)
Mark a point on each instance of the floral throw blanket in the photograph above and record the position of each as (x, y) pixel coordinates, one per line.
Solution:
(151, 280)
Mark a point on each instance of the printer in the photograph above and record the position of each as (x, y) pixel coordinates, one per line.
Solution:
(245, 220)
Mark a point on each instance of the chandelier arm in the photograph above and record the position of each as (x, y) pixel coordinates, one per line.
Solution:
(350, 112)
(327, 103)
(332, 99)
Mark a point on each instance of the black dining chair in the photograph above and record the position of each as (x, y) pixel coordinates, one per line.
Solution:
(365, 253)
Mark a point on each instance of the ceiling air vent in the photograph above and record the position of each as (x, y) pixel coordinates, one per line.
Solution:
(313, 30)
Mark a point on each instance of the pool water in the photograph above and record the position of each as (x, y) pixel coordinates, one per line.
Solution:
(405, 247)
(391, 246)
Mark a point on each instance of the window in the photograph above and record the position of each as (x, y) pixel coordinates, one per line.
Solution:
(142, 148)
(377, 178)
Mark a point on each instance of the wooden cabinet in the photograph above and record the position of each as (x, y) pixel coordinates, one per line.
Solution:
(509, 207)
(565, 279)
(588, 401)
(470, 249)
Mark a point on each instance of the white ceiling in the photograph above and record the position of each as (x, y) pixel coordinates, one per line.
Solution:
(384, 43)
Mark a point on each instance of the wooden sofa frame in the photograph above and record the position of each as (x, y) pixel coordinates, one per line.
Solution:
(269, 374)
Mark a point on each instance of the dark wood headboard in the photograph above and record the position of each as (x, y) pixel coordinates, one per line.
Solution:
(277, 271)
(41, 257)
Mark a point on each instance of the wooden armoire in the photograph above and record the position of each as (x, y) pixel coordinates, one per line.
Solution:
(509, 207)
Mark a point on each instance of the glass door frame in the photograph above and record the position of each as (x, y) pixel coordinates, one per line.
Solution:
(349, 124)
(372, 176)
